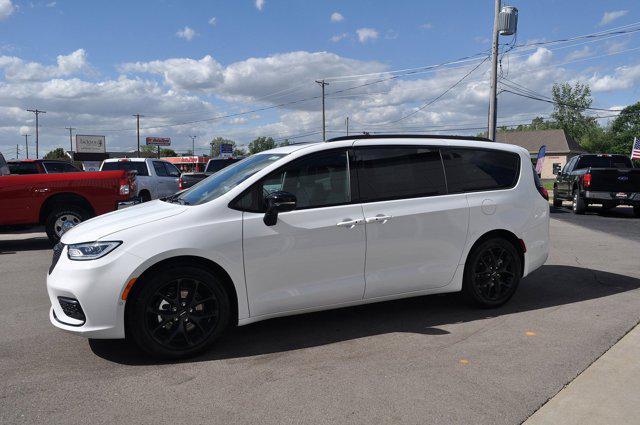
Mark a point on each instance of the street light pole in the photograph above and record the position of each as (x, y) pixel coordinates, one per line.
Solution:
(138, 130)
(193, 145)
(493, 96)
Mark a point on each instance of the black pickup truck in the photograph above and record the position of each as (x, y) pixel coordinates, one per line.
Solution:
(608, 180)
(213, 166)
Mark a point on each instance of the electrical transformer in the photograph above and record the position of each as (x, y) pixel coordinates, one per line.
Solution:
(508, 20)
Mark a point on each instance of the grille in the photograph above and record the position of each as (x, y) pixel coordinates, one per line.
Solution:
(71, 307)
(57, 251)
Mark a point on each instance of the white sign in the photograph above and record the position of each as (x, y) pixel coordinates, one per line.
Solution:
(90, 144)
(158, 141)
(91, 165)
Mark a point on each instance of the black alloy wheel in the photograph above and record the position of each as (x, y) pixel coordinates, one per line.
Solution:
(492, 273)
(179, 312)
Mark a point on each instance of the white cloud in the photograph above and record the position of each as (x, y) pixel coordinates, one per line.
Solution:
(186, 33)
(427, 26)
(213, 21)
(609, 17)
(366, 34)
(15, 69)
(337, 17)
(339, 37)
(259, 4)
(623, 78)
(6, 9)
(586, 51)
(540, 57)
(52, 4)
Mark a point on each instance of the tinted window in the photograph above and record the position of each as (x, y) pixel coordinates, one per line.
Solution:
(470, 170)
(161, 171)
(139, 167)
(399, 172)
(317, 180)
(53, 167)
(215, 165)
(70, 168)
(172, 170)
(23, 168)
(603, 162)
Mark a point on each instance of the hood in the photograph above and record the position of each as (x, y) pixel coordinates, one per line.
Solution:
(106, 224)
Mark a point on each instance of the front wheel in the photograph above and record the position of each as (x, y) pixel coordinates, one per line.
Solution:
(492, 273)
(179, 312)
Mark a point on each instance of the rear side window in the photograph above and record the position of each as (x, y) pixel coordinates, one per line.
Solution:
(53, 167)
(139, 167)
(392, 172)
(160, 169)
(470, 170)
(23, 168)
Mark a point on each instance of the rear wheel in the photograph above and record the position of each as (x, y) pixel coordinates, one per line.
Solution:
(579, 205)
(557, 202)
(145, 196)
(179, 312)
(492, 273)
(61, 219)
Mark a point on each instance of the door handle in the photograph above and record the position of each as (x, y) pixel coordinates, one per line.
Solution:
(380, 218)
(349, 223)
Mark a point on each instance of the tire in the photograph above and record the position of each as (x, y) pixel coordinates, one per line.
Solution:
(579, 205)
(557, 202)
(145, 196)
(636, 211)
(492, 273)
(166, 322)
(55, 222)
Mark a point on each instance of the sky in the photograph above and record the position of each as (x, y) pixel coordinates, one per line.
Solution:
(247, 68)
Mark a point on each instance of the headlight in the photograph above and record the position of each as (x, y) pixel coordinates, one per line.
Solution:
(91, 250)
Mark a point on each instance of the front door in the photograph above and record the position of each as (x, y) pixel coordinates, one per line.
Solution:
(415, 231)
(314, 255)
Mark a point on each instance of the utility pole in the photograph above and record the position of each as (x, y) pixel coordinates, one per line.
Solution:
(138, 130)
(493, 99)
(17, 151)
(26, 144)
(70, 137)
(37, 112)
(324, 131)
(347, 126)
(193, 145)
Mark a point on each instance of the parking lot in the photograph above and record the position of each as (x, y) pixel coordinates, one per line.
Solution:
(423, 360)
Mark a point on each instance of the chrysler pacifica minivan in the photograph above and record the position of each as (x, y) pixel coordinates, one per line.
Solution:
(303, 228)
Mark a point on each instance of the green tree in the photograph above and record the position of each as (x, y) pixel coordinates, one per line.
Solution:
(570, 103)
(624, 128)
(239, 151)
(215, 145)
(57, 153)
(261, 144)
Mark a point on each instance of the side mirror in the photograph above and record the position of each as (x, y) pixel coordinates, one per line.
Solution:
(278, 202)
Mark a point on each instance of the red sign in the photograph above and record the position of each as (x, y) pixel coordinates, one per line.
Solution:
(158, 141)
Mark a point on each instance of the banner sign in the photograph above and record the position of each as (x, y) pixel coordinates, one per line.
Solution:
(90, 143)
(158, 141)
(226, 150)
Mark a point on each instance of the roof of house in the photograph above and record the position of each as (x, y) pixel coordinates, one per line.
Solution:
(557, 141)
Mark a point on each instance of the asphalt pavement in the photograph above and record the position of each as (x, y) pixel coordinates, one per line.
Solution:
(423, 360)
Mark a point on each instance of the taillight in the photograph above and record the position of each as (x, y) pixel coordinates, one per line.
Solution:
(543, 192)
(125, 189)
(586, 180)
(180, 183)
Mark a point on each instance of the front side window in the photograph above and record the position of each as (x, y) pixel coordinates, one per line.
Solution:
(470, 170)
(386, 173)
(317, 180)
(226, 179)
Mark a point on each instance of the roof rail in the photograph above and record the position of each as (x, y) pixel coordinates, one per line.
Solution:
(408, 136)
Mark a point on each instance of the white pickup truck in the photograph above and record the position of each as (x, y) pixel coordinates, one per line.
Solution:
(155, 178)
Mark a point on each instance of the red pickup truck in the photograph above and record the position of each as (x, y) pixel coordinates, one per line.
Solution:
(59, 201)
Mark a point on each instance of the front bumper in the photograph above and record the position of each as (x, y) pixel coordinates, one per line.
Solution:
(97, 285)
(617, 198)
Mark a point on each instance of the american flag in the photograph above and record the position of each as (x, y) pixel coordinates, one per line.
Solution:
(635, 150)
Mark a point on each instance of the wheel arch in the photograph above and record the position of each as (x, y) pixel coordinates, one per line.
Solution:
(65, 198)
(503, 234)
(188, 260)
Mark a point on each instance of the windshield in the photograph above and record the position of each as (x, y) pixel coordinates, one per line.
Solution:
(226, 179)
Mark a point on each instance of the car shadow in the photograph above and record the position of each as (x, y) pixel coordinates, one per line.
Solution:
(617, 212)
(28, 244)
(551, 285)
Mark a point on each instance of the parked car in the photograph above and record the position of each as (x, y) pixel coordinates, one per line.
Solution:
(60, 201)
(609, 180)
(301, 228)
(156, 178)
(213, 166)
(41, 166)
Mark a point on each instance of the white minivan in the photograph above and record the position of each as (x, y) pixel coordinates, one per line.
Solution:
(303, 228)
